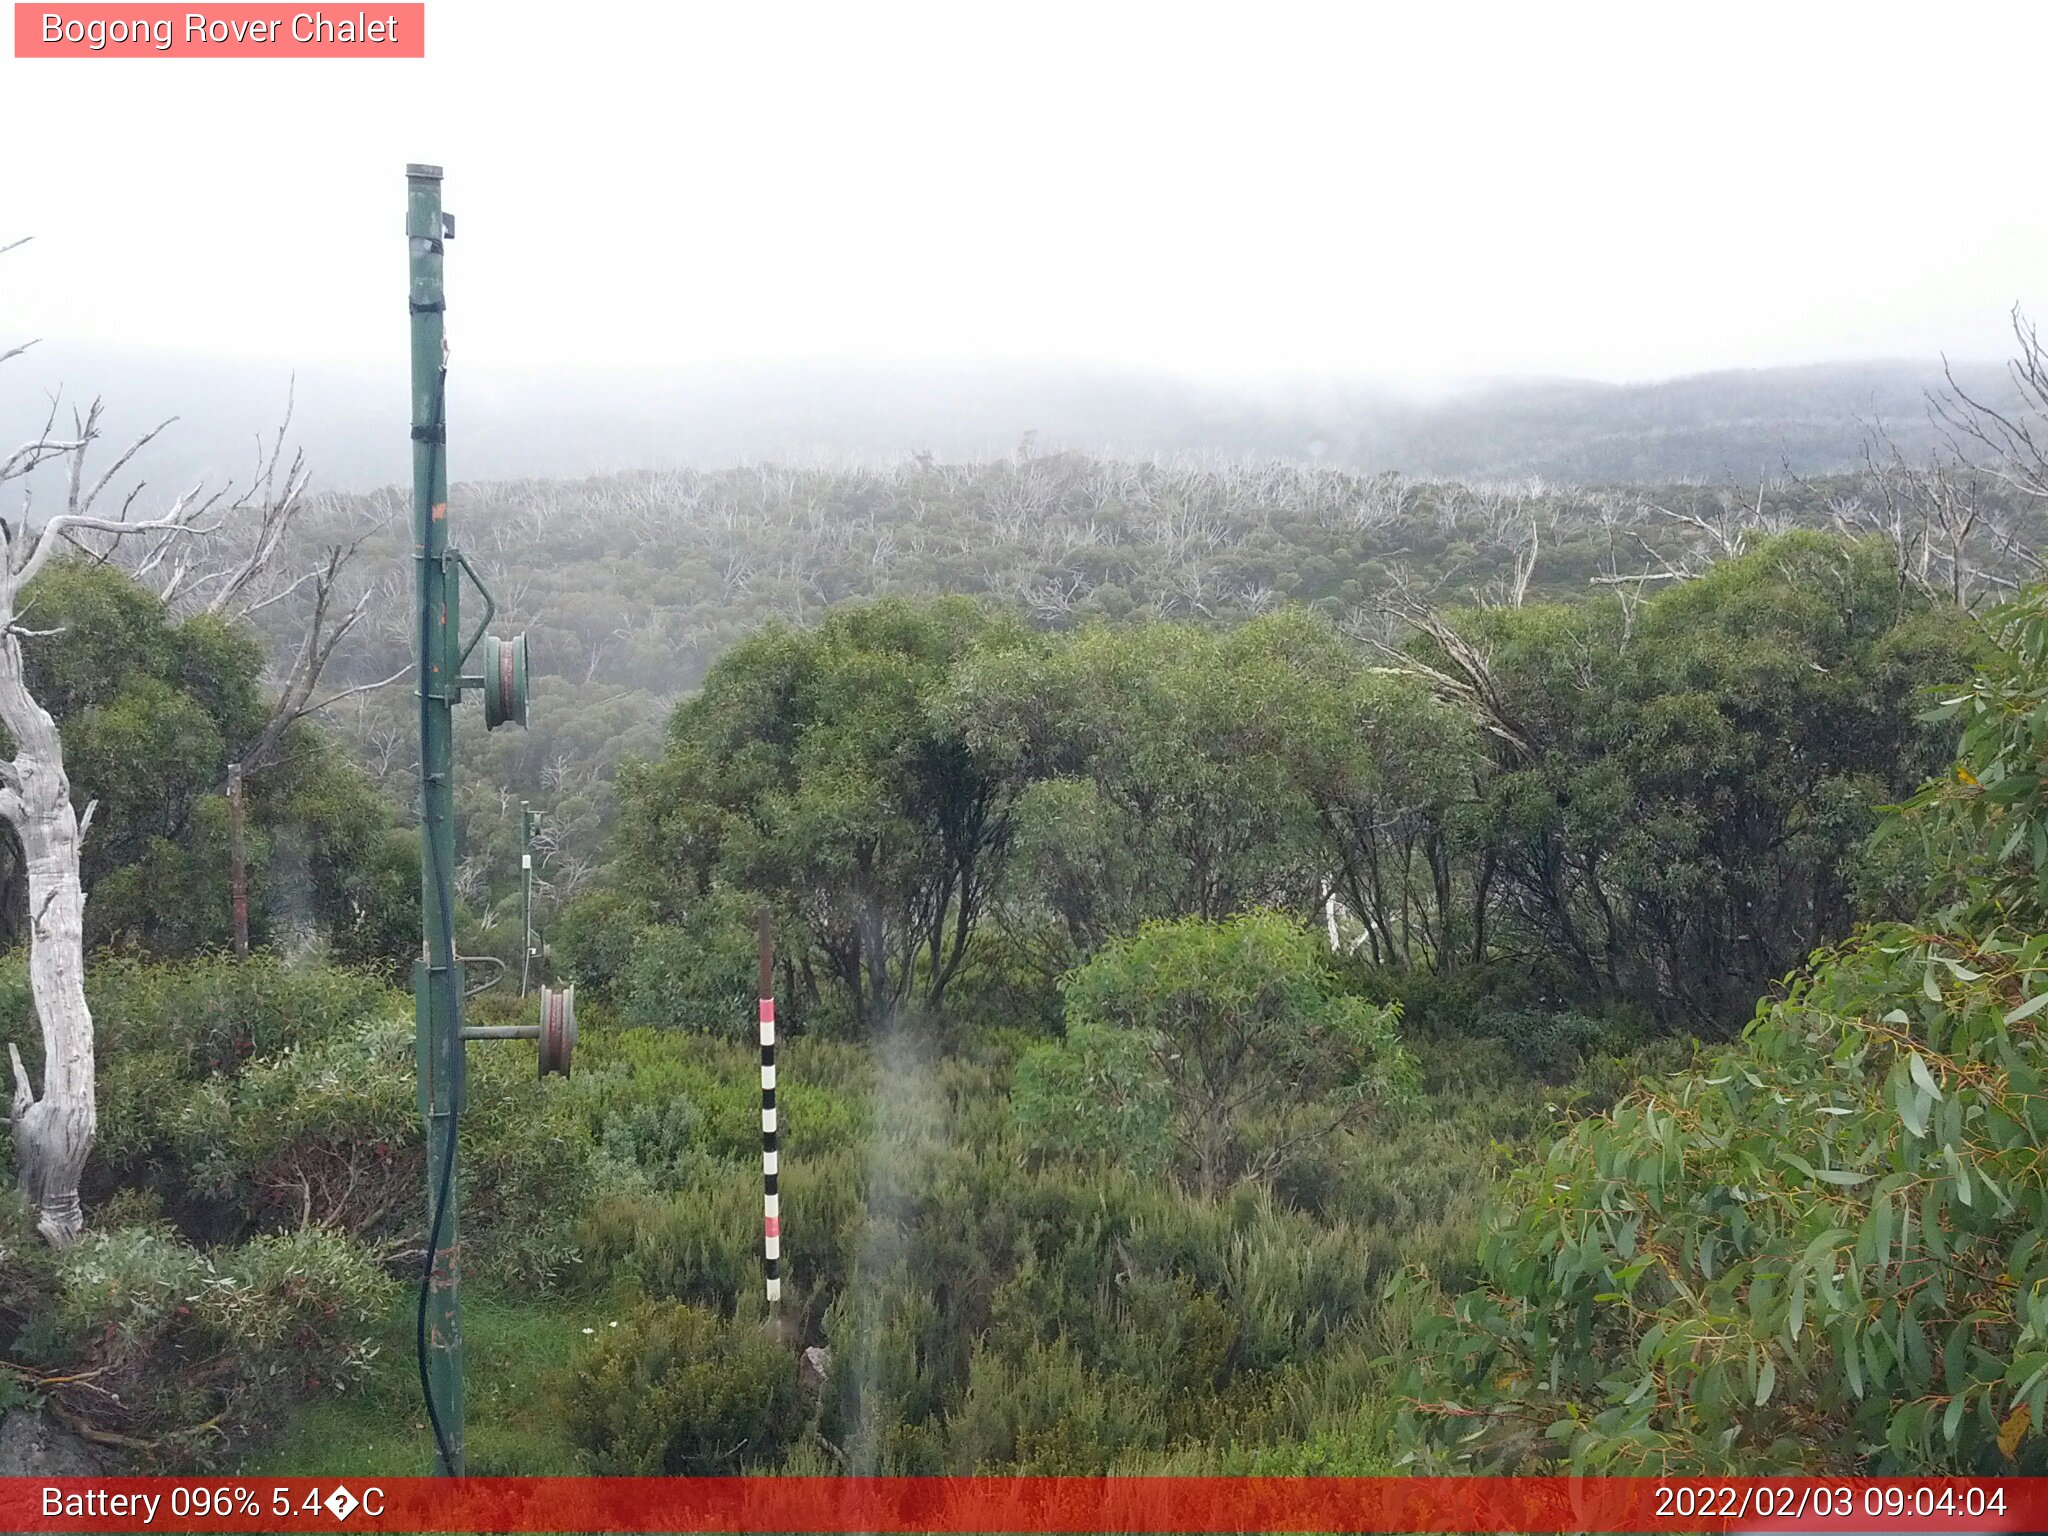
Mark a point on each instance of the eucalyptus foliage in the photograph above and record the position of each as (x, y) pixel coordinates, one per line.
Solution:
(1823, 1248)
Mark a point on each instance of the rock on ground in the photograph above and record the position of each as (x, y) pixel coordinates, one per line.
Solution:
(816, 1369)
(31, 1446)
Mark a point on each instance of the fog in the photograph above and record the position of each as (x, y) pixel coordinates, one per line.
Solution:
(1203, 193)
(508, 423)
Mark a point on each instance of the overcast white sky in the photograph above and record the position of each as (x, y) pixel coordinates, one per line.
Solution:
(1416, 189)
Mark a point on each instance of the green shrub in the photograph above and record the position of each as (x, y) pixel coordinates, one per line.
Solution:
(1010, 981)
(325, 1134)
(529, 1168)
(28, 1269)
(1434, 1004)
(678, 1390)
(1095, 1097)
(329, 1134)
(656, 1108)
(218, 1013)
(823, 1213)
(702, 976)
(700, 973)
(162, 1030)
(663, 1102)
(594, 939)
(1046, 1413)
(701, 1247)
(190, 1351)
(891, 1373)
(1243, 1021)
(1553, 1043)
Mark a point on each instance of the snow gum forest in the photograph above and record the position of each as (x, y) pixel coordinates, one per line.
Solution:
(1281, 969)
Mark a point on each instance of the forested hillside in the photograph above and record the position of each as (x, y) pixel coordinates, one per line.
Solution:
(631, 586)
(1414, 956)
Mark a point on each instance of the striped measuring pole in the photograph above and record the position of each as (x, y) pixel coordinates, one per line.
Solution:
(771, 1205)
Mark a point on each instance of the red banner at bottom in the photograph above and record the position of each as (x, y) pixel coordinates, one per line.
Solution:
(992, 1504)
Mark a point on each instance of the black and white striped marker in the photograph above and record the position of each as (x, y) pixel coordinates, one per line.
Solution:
(771, 1206)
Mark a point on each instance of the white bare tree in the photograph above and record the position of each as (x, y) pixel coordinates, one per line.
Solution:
(53, 1128)
(54, 1125)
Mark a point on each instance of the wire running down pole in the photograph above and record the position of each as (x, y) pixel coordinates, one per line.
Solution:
(771, 1202)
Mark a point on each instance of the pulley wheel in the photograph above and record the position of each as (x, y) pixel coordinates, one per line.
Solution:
(557, 1029)
(504, 681)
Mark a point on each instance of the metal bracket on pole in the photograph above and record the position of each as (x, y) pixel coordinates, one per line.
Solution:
(490, 612)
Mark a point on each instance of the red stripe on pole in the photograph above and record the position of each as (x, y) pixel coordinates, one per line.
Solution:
(773, 1225)
(1051, 1504)
(767, 1010)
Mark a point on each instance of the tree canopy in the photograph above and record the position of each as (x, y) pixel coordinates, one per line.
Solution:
(152, 711)
(1660, 803)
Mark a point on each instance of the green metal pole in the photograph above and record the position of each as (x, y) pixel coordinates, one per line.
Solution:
(437, 982)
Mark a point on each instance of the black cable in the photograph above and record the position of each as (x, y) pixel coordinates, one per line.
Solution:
(441, 891)
(426, 1291)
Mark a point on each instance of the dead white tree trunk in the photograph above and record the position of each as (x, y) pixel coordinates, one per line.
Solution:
(54, 1124)
(53, 1128)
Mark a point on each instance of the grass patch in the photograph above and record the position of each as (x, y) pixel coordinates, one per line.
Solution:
(514, 1427)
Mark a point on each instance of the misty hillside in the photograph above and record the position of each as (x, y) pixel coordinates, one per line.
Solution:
(1707, 427)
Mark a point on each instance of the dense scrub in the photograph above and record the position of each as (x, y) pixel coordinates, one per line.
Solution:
(259, 1189)
(177, 1355)
(992, 1310)
(986, 1305)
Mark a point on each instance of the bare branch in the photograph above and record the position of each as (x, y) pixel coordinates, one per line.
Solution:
(349, 693)
(79, 507)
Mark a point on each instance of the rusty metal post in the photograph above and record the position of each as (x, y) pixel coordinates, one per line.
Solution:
(238, 864)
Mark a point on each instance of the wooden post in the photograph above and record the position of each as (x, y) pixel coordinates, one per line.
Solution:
(238, 865)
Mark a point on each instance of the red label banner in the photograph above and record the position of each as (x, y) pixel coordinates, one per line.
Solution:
(1052, 1504)
(225, 31)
